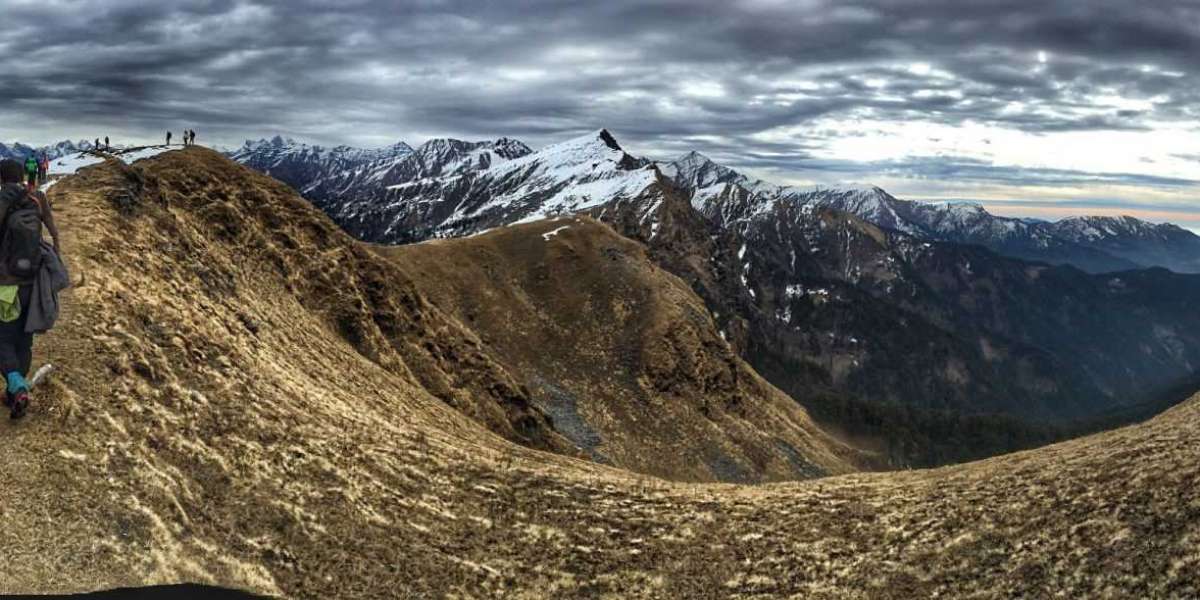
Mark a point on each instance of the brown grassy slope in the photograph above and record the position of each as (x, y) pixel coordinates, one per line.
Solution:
(622, 354)
(177, 444)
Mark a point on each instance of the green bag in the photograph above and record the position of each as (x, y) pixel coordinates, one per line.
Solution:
(10, 304)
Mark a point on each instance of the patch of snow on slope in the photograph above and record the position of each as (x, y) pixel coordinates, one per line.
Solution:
(144, 153)
(69, 165)
(582, 196)
(549, 234)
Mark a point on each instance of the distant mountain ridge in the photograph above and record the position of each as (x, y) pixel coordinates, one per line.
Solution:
(360, 190)
(19, 151)
(1094, 244)
(301, 165)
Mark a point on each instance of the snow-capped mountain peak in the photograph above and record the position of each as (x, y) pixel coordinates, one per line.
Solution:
(597, 145)
(699, 171)
(447, 187)
(510, 148)
(1103, 227)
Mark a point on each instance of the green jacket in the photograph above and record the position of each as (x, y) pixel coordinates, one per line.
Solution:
(31, 165)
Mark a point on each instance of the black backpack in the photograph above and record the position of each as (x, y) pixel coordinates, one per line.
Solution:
(20, 233)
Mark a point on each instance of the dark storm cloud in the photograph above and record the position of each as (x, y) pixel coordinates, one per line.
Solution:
(666, 75)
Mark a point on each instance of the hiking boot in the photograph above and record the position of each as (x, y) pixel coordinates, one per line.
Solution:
(19, 404)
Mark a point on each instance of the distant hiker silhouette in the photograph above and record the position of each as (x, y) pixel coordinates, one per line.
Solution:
(96, 146)
(43, 168)
(168, 138)
(106, 146)
(31, 275)
(191, 137)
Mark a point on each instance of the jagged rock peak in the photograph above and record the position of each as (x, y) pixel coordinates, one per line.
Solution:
(609, 140)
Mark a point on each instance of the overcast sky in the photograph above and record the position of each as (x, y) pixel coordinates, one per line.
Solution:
(1035, 108)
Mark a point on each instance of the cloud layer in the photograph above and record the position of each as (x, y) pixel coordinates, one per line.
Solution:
(941, 96)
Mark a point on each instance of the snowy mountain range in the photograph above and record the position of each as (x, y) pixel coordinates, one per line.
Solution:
(450, 187)
(19, 151)
(1094, 244)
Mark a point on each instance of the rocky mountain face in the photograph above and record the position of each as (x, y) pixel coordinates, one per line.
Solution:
(304, 167)
(1131, 239)
(1093, 244)
(865, 307)
(516, 185)
(930, 335)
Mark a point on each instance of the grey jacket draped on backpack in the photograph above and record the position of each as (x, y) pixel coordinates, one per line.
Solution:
(51, 279)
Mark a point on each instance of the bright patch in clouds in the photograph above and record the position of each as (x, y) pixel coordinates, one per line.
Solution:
(1094, 151)
(702, 89)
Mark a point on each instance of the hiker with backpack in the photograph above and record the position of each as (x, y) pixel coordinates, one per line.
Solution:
(168, 138)
(43, 168)
(31, 275)
(31, 172)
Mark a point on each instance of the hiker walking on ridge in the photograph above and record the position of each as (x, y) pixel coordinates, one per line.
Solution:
(107, 148)
(43, 169)
(31, 172)
(168, 138)
(31, 275)
(96, 146)
(192, 137)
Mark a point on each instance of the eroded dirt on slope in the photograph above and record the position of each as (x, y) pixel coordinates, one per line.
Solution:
(227, 434)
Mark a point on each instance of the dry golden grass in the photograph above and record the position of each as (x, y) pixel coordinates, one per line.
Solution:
(621, 353)
(222, 415)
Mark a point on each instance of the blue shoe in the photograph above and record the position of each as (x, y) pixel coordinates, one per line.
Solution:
(17, 395)
(16, 383)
